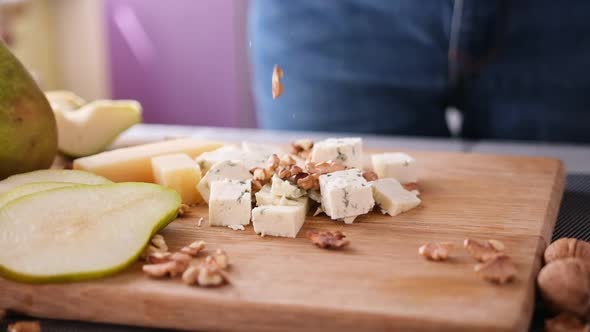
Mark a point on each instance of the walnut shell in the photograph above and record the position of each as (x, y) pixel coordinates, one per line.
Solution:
(565, 285)
(567, 247)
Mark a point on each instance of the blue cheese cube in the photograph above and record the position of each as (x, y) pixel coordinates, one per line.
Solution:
(250, 159)
(285, 188)
(230, 203)
(347, 150)
(278, 220)
(399, 166)
(346, 194)
(223, 170)
(391, 196)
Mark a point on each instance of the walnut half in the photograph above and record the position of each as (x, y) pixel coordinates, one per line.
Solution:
(277, 85)
(435, 251)
(327, 239)
(498, 269)
(483, 251)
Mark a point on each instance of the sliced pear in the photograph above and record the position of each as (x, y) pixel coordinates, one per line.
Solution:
(82, 232)
(51, 175)
(64, 100)
(31, 188)
(93, 127)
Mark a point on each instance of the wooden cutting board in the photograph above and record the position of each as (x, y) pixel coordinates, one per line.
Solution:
(378, 283)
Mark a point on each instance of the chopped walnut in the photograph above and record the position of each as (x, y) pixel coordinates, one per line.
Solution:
(327, 239)
(222, 259)
(157, 244)
(485, 251)
(370, 175)
(277, 85)
(158, 257)
(286, 161)
(194, 248)
(177, 264)
(308, 181)
(183, 209)
(289, 172)
(411, 186)
(206, 274)
(435, 251)
(25, 326)
(566, 322)
(498, 269)
(262, 176)
(302, 148)
(325, 167)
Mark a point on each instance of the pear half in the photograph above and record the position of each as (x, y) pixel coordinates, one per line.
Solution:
(31, 188)
(94, 126)
(81, 232)
(50, 175)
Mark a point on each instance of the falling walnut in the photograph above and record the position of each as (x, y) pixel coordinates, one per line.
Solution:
(277, 85)
(327, 239)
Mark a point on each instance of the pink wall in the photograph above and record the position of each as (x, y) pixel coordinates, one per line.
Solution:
(184, 60)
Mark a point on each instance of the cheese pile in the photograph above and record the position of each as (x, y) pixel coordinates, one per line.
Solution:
(223, 179)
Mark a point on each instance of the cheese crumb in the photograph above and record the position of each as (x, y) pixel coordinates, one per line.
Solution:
(236, 227)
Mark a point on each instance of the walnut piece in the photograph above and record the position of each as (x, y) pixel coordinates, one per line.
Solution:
(262, 176)
(302, 148)
(183, 209)
(410, 186)
(157, 244)
(206, 274)
(565, 285)
(483, 251)
(175, 265)
(370, 176)
(194, 248)
(435, 251)
(498, 269)
(222, 259)
(324, 167)
(308, 181)
(277, 85)
(158, 257)
(200, 222)
(567, 247)
(327, 239)
(566, 322)
(25, 326)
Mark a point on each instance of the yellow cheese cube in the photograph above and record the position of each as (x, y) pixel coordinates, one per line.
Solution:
(134, 163)
(179, 172)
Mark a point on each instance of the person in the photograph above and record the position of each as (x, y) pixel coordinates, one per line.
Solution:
(516, 70)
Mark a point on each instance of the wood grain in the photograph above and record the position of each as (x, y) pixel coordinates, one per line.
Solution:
(378, 283)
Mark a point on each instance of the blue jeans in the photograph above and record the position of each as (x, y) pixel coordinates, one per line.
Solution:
(517, 70)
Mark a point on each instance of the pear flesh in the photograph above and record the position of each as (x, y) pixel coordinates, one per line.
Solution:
(81, 232)
(63, 100)
(93, 127)
(32, 188)
(51, 175)
(28, 132)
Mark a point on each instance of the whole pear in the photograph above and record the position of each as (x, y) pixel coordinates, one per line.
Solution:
(28, 132)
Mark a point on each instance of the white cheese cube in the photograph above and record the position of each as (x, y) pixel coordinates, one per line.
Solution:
(249, 159)
(399, 166)
(285, 188)
(223, 170)
(265, 197)
(278, 220)
(231, 202)
(346, 194)
(347, 150)
(179, 172)
(392, 197)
